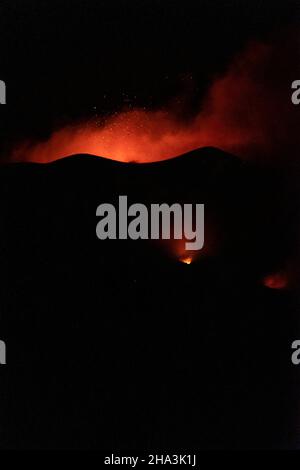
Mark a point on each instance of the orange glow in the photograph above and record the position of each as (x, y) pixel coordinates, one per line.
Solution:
(186, 260)
(236, 115)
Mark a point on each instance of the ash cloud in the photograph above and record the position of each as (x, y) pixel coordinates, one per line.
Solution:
(247, 111)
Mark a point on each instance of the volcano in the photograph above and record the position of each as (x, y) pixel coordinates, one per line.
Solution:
(121, 343)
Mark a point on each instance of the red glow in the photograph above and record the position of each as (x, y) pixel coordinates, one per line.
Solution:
(276, 281)
(239, 114)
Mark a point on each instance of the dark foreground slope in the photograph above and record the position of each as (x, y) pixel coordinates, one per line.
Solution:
(116, 344)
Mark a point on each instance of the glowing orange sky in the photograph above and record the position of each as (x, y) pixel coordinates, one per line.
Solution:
(239, 114)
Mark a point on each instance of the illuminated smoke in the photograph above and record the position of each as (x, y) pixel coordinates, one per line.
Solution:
(248, 112)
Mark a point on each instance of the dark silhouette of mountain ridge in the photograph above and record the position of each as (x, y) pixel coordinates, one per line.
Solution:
(119, 345)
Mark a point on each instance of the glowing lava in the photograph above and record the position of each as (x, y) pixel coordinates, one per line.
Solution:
(186, 260)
